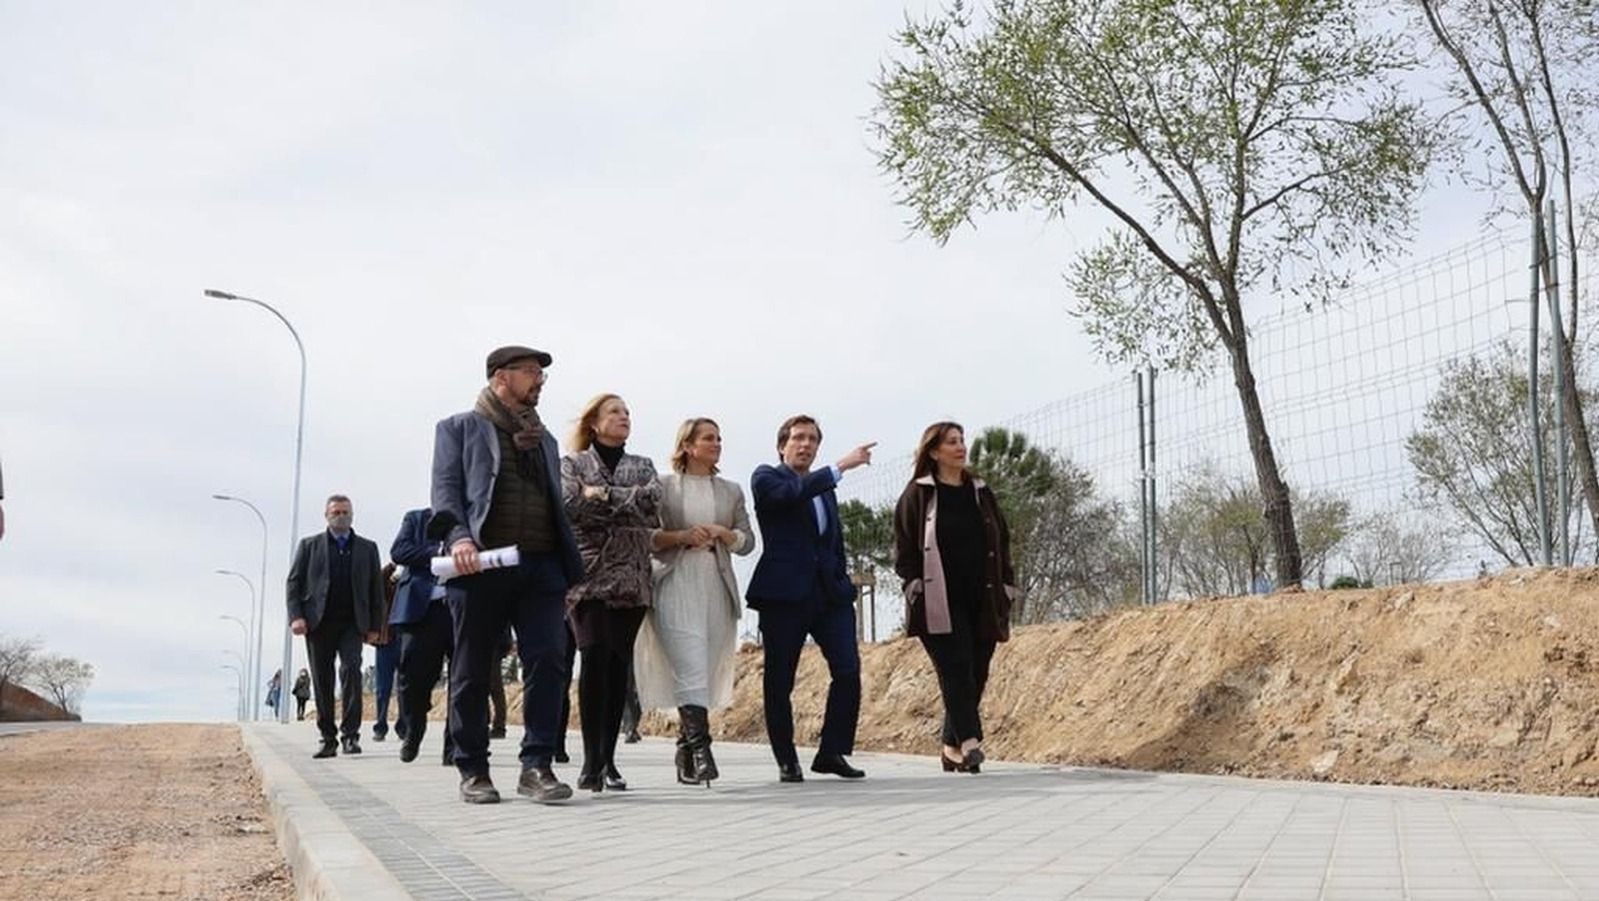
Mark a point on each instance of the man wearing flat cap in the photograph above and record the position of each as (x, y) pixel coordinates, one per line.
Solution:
(496, 483)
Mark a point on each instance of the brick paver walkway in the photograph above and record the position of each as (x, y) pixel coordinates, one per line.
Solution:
(372, 827)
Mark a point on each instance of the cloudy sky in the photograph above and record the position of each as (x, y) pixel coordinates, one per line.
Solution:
(679, 201)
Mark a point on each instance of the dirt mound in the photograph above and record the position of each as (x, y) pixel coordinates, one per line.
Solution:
(1486, 685)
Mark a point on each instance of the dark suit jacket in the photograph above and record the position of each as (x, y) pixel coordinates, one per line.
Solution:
(794, 558)
(466, 461)
(308, 582)
(413, 550)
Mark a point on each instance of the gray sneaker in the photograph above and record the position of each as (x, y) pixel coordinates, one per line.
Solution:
(479, 790)
(540, 784)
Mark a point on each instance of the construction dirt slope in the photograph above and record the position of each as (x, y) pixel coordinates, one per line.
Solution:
(1488, 684)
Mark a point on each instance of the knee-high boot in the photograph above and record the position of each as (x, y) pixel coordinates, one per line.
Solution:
(685, 757)
(699, 737)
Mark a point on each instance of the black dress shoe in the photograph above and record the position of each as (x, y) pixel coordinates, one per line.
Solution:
(479, 790)
(789, 772)
(540, 784)
(562, 757)
(633, 737)
(449, 758)
(408, 750)
(497, 733)
(836, 765)
(613, 779)
(328, 749)
(379, 736)
(352, 745)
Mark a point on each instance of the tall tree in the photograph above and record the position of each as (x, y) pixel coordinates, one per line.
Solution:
(1241, 146)
(1525, 69)
(63, 679)
(18, 658)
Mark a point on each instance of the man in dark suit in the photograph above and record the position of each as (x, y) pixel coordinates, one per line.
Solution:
(802, 587)
(335, 595)
(497, 482)
(427, 631)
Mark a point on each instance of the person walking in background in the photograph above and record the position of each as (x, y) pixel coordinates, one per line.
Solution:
(613, 498)
(686, 649)
(952, 550)
(335, 599)
(275, 692)
(427, 632)
(496, 482)
(387, 660)
(302, 693)
(497, 687)
(801, 587)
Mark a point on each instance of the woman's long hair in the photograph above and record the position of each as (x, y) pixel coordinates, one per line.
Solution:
(685, 437)
(931, 439)
(583, 432)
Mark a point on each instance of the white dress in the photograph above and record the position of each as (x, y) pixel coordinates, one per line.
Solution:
(684, 654)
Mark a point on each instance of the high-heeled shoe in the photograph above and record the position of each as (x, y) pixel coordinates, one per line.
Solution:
(973, 761)
(587, 781)
(952, 766)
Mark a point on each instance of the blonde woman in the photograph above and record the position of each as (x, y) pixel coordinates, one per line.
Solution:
(684, 657)
(611, 497)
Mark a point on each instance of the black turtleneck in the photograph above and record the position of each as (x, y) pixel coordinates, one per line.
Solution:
(609, 455)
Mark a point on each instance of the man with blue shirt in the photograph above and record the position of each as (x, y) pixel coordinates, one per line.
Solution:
(335, 596)
(801, 587)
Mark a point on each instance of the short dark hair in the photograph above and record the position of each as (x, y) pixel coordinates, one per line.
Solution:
(788, 426)
(336, 498)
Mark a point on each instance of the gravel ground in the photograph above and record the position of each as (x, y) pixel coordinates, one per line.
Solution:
(147, 811)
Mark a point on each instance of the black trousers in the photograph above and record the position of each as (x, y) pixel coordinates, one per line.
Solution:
(424, 646)
(328, 640)
(566, 688)
(784, 628)
(961, 659)
(605, 638)
(532, 598)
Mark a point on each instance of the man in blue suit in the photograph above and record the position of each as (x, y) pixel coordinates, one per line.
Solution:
(497, 482)
(427, 631)
(801, 587)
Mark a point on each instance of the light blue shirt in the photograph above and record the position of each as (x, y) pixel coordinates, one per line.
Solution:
(821, 508)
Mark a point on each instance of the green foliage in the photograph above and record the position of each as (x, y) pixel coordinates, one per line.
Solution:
(1344, 582)
(868, 536)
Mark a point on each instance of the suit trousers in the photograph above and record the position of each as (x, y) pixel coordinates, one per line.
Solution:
(343, 640)
(784, 628)
(532, 598)
(388, 658)
(424, 646)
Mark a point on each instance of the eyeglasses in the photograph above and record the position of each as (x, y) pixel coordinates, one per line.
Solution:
(537, 372)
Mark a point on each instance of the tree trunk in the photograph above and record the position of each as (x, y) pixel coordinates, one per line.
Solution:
(1278, 512)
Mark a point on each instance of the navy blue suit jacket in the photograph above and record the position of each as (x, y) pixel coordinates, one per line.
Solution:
(794, 558)
(412, 550)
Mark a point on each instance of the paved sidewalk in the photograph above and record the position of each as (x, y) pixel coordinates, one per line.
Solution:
(370, 827)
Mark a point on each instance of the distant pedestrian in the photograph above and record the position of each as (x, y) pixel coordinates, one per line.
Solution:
(302, 693)
(613, 499)
(496, 483)
(387, 659)
(686, 650)
(952, 548)
(335, 597)
(275, 692)
(427, 632)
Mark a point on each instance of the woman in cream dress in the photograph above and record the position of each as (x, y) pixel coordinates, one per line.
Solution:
(684, 655)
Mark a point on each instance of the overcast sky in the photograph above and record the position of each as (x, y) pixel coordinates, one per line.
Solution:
(678, 201)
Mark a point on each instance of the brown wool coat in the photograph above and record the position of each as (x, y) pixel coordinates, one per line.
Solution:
(916, 560)
(613, 533)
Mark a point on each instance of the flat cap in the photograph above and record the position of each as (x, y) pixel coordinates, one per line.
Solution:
(502, 357)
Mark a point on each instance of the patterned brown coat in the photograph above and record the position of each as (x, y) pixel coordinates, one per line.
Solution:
(614, 531)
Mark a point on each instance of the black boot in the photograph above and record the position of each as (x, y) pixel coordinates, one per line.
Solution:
(685, 757)
(699, 737)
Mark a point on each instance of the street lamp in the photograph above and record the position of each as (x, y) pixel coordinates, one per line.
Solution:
(254, 629)
(236, 672)
(258, 616)
(299, 444)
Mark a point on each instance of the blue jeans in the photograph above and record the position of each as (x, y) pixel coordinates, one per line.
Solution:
(532, 598)
(388, 659)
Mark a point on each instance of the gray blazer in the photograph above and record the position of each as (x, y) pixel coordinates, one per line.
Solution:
(731, 512)
(308, 582)
(466, 461)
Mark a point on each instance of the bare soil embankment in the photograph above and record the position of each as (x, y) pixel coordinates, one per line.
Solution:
(1487, 684)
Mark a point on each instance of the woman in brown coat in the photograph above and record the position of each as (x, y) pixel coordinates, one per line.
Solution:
(952, 549)
(612, 498)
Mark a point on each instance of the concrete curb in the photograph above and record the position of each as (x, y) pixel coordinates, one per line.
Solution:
(328, 861)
